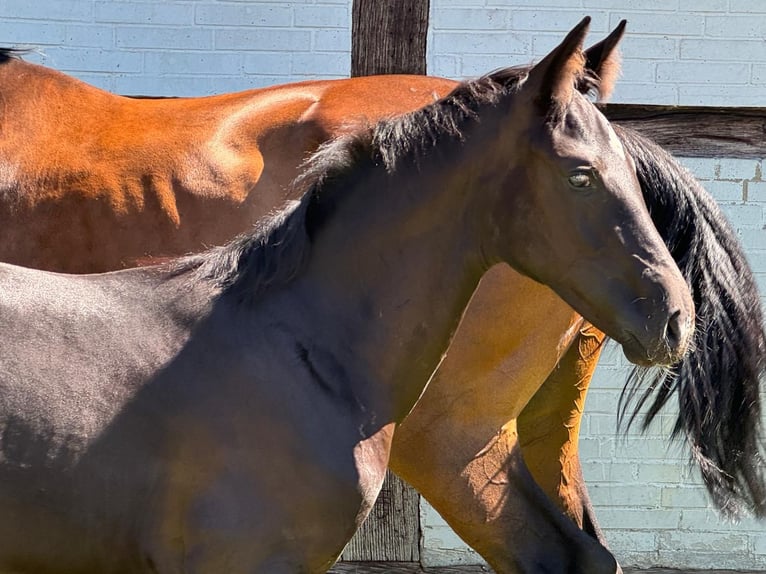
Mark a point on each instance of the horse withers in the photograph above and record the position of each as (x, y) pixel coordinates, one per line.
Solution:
(233, 411)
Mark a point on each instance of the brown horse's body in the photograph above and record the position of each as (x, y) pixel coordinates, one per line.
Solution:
(160, 176)
(92, 181)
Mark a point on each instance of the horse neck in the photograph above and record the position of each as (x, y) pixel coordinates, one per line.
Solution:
(395, 266)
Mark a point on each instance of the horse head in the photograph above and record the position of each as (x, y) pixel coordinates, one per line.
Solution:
(579, 222)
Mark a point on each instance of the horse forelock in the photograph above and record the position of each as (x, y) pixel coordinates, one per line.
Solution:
(718, 381)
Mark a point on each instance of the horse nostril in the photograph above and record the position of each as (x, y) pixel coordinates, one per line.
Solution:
(675, 331)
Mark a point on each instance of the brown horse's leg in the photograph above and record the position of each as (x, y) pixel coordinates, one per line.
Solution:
(497, 507)
(549, 428)
(459, 449)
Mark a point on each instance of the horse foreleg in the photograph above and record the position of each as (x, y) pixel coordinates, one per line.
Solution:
(549, 428)
(495, 505)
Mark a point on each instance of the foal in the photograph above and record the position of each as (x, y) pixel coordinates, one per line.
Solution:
(233, 411)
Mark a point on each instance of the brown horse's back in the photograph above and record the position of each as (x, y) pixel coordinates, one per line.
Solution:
(91, 181)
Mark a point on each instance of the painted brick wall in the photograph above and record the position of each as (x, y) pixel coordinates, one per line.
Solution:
(694, 52)
(677, 51)
(182, 47)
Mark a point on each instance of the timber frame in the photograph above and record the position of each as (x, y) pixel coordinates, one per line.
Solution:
(697, 131)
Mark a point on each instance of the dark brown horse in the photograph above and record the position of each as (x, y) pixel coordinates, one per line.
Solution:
(233, 411)
(87, 192)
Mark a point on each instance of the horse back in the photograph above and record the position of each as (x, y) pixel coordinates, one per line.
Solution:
(91, 181)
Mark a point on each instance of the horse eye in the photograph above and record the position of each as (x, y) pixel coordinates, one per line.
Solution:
(580, 180)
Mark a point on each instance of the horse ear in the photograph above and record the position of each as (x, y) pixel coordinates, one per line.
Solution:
(554, 79)
(603, 59)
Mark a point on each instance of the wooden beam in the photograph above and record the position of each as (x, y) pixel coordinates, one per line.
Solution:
(697, 131)
(388, 37)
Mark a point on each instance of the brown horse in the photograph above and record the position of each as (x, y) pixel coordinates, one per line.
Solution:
(86, 192)
(233, 411)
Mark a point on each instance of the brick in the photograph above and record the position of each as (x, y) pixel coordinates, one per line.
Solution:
(756, 191)
(670, 472)
(685, 497)
(600, 401)
(609, 472)
(89, 35)
(269, 39)
(720, 95)
(603, 425)
(726, 191)
(17, 33)
(758, 544)
(649, 448)
(47, 11)
(487, 43)
(726, 50)
(704, 520)
(750, 215)
(620, 495)
(255, 14)
(268, 63)
(444, 66)
(703, 541)
(621, 541)
(752, 238)
(749, 26)
(679, 24)
(475, 65)
(471, 19)
(556, 20)
(747, 6)
(684, 559)
(757, 259)
(638, 519)
(644, 93)
(155, 85)
(611, 378)
(638, 5)
(259, 81)
(738, 169)
(331, 63)
(461, 3)
(204, 63)
(163, 37)
(322, 16)
(591, 447)
(145, 13)
(332, 41)
(759, 73)
(703, 5)
(527, 3)
(96, 60)
(635, 46)
(702, 167)
(639, 70)
(703, 73)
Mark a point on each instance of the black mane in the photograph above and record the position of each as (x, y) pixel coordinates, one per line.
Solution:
(718, 382)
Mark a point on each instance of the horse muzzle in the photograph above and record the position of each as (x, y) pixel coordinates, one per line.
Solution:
(663, 341)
